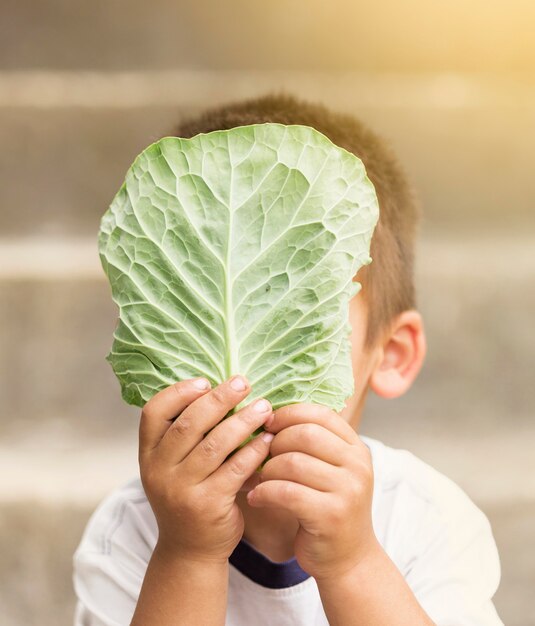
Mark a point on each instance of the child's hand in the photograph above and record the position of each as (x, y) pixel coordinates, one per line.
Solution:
(190, 486)
(322, 473)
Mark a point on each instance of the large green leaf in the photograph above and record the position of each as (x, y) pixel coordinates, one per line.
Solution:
(234, 252)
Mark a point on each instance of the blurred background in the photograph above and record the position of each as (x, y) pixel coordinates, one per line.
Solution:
(86, 86)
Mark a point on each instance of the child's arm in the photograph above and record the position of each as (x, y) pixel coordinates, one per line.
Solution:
(373, 593)
(192, 490)
(177, 591)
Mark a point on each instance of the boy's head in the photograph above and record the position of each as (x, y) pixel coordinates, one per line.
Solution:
(388, 341)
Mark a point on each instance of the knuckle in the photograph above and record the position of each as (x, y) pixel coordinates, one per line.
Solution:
(181, 426)
(247, 415)
(363, 469)
(238, 467)
(288, 491)
(258, 444)
(358, 486)
(308, 433)
(335, 513)
(219, 395)
(146, 412)
(358, 490)
(210, 447)
(292, 461)
(178, 388)
(290, 410)
(349, 459)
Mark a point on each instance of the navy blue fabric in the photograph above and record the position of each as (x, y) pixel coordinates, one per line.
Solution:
(262, 570)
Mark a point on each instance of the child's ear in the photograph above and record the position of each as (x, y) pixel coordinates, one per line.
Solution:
(401, 356)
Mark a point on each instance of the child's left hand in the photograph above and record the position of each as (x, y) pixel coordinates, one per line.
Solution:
(322, 473)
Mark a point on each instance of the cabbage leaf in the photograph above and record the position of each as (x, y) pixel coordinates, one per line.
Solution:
(235, 251)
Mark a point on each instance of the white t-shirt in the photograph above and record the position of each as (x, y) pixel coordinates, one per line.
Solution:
(437, 537)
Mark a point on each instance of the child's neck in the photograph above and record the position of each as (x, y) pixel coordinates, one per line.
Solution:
(271, 531)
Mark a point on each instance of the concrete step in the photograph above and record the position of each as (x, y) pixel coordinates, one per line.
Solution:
(245, 35)
(52, 359)
(74, 163)
(461, 140)
(37, 543)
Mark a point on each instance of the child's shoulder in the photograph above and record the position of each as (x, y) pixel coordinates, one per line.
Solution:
(399, 471)
(416, 505)
(110, 561)
(440, 540)
(122, 521)
(398, 467)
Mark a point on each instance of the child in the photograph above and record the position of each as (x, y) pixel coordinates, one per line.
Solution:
(340, 529)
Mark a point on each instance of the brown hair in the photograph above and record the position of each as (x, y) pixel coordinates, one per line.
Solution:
(387, 282)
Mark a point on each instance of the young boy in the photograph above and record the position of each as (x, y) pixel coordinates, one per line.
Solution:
(339, 529)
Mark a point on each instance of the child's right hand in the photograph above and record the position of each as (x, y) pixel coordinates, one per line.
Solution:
(189, 485)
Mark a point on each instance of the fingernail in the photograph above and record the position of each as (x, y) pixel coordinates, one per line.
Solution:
(201, 383)
(267, 437)
(238, 384)
(261, 406)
